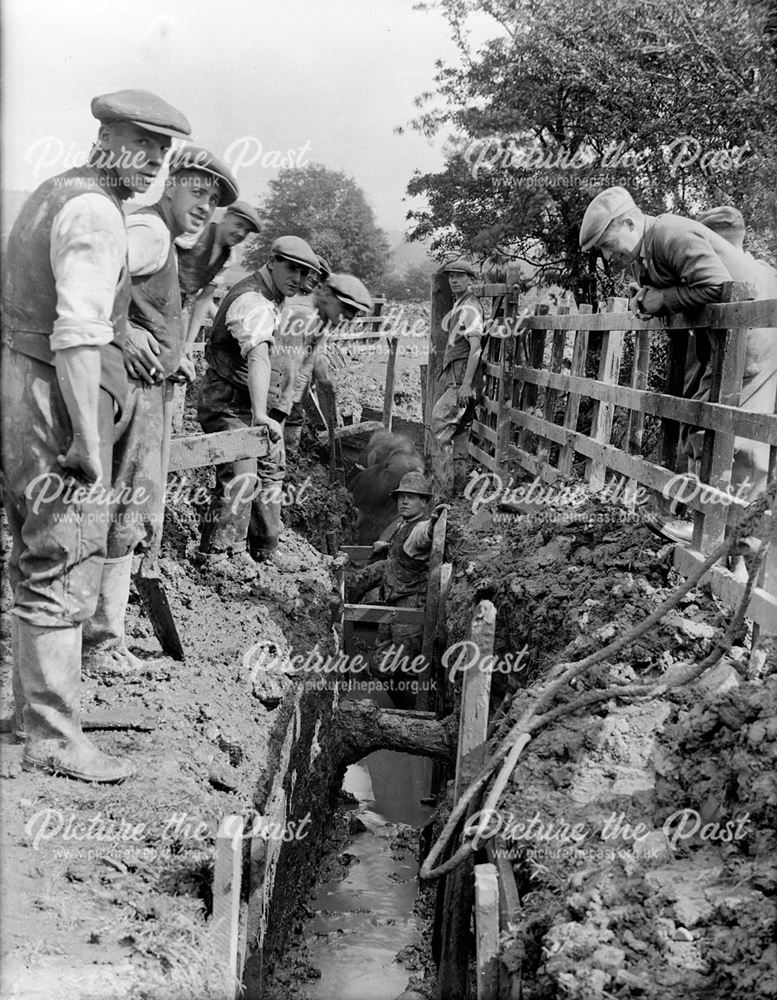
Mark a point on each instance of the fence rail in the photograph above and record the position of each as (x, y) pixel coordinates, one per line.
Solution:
(553, 397)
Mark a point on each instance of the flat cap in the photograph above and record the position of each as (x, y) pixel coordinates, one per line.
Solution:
(244, 210)
(202, 160)
(350, 291)
(460, 267)
(605, 207)
(413, 482)
(141, 108)
(295, 249)
(723, 217)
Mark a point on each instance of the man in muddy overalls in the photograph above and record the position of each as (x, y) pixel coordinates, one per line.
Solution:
(65, 300)
(153, 357)
(453, 411)
(237, 391)
(403, 585)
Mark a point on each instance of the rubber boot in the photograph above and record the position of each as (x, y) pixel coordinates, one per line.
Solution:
(50, 671)
(105, 648)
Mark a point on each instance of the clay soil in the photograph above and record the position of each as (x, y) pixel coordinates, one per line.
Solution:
(621, 910)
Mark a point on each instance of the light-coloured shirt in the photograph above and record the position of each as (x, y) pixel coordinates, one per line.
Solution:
(251, 319)
(419, 541)
(88, 252)
(148, 244)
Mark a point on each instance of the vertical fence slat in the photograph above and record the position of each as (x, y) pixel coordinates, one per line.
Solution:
(551, 395)
(639, 380)
(609, 369)
(487, 931)
(388, 395)
(579, 353)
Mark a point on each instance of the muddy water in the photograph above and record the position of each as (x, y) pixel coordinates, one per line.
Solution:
(362, 921)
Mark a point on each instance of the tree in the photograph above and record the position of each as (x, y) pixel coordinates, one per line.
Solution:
(675, 100)
(411, 285)
(330, 211)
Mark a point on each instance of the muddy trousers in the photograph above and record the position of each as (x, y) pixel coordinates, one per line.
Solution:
(450, 436)
(245, 510)
(59, 530)
(396, 648)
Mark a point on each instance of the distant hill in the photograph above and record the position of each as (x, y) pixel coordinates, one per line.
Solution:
(403, 253)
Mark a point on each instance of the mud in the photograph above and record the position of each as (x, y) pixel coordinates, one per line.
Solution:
(641, 836)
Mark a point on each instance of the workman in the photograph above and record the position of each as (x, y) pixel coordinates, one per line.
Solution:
(64, 388)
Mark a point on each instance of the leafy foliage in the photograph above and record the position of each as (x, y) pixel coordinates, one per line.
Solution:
(677, 101)
(411, 285)
(329, 210)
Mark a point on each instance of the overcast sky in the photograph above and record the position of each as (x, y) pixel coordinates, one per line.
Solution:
(323, 81)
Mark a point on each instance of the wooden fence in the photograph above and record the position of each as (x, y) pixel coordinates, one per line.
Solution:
(544, 413)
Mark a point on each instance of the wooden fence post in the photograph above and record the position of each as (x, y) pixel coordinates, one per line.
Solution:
(551, 395)
(729, 348)
(609, 369)
(388, 396)
(226, 901)
(487, 931)
(579, 353)
(639, 380)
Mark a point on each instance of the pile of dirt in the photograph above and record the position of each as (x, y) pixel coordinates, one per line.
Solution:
(641, 835)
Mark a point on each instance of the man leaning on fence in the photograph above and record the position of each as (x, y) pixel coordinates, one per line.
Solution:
(681, 266)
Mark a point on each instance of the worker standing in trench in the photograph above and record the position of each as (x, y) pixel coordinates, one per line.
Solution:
(237, 391)
(65, 300)
(404, 581)
(337, 299)
(203, 256)
(453, 411)
(154, 359)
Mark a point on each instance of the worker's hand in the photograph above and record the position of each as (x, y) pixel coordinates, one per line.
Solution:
(464, 395)
(379, 547)
(83, 460)
(437, 512)
(652, 301)
(186, 372)
(141, 355)
(274, 428)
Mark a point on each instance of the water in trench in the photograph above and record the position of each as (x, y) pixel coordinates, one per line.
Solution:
(365, 919)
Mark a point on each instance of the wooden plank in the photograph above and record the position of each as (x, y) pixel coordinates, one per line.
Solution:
(481, 456)
(728, 419)
(509, 900)
(423, 699)
(551, 395)
(656, 477)
(579, 354)
(357, 553)
(536, 354)
(609, 369)
(388, 396)
(487, 931)
(351, 431)
(484, 432)
(503, 403)
(737, 315)
(198, 450)
(676, 363)
(475, 694)
(640, 371)
(225, 922)
(763, 605)
(377, 614)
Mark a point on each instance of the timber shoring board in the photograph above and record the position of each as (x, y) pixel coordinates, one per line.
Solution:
(378, 614)
(763, 605)
(197, 450)
(225, 922)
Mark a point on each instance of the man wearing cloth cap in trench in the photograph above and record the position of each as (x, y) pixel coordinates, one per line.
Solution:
(404, 583)
(452, 412)
(153, 355)
(65, 300)
(303, 330)
(204, 255)
(682, 265)
(236, 392)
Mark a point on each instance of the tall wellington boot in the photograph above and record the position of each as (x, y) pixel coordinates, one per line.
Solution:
(50, 672)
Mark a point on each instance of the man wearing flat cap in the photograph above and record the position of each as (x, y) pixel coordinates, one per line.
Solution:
(198, 183)
(303, 330)
(682, 265)
(453, 411)
(239, 390)
(65, 301)
(204, 255)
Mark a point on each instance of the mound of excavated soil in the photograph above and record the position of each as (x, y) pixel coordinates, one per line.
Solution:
(642, 835)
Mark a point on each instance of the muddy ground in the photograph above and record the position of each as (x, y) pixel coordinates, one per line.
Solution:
(683, 905)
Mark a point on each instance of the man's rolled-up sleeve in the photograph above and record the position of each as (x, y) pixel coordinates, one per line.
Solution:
(251, 319)
(88, 253)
